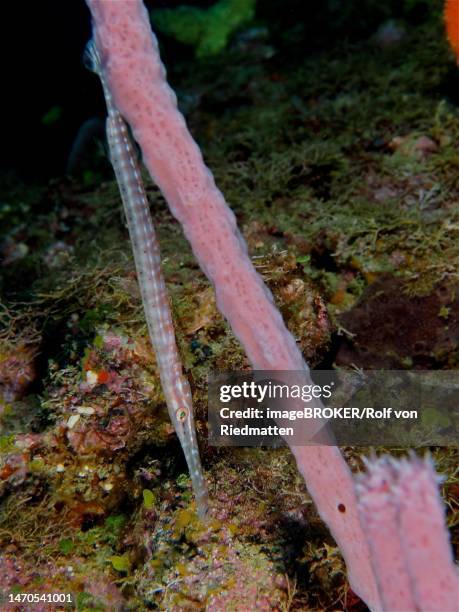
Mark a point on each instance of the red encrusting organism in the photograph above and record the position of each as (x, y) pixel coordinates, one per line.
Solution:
(452, 25)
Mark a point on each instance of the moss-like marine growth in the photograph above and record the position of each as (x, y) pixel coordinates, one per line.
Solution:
(207, 30)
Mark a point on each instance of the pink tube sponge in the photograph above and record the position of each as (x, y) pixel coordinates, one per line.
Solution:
(136, 79)
(403, 518)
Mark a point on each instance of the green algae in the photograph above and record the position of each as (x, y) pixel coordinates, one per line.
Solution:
(208, 30)
(148, 499)
(7, 443)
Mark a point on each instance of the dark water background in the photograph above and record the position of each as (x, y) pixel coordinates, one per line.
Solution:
(43, 44)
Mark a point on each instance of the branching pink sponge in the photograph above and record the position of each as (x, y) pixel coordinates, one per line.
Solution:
(136, 78)
(403, 518)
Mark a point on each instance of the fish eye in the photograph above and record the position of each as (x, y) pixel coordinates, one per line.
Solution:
(181, 414)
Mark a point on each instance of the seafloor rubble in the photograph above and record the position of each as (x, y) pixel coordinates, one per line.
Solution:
(343, 170)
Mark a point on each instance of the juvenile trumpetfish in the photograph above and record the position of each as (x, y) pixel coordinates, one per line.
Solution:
(153, 289)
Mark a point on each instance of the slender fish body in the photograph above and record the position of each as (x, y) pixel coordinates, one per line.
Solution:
(153, 288)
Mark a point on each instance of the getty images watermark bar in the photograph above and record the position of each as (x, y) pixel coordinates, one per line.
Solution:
(355, 408)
